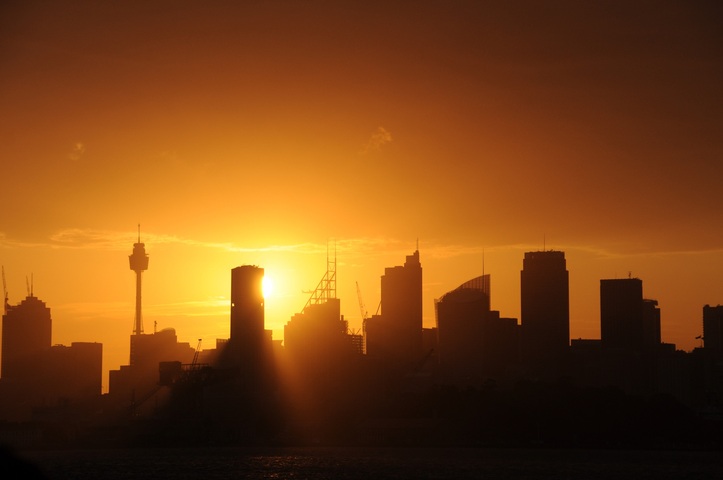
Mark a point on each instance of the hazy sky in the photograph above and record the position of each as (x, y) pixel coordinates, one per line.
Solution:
(260, 132)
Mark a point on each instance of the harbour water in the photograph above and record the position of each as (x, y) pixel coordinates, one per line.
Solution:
(373, 463)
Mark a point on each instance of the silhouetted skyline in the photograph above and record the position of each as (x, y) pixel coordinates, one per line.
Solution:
(253, 132)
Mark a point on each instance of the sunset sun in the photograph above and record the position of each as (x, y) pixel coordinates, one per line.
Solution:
(267, 286)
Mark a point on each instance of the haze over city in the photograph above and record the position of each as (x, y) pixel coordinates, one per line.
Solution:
(271, 133)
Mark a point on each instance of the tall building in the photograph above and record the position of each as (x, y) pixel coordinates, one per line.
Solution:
(545, 312)
(26, 333)
(621, 314)
(247, 314)
(713, 328)
(396, 334)
(461, 315)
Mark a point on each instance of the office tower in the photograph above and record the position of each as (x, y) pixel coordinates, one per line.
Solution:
(461, 314)
(621, 313)
(247, 313)
(396, 334)
(26, 334)
(545, 313)
(713, 328)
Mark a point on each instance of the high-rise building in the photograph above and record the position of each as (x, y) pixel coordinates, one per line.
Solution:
(26, 331)
(713, 328)
(247, 313)
(396, 334)
(461, 314)
(545, 312)
(621, 313)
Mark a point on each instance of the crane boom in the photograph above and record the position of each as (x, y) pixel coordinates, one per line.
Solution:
(362, 308)
(195, 355)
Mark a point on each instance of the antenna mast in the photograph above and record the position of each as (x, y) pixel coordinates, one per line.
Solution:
(5, 290)
(138, 263)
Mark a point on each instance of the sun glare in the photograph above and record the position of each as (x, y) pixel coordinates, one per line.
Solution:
(267, 286)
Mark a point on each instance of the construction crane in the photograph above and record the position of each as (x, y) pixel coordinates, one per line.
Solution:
(362, 308)
(195, 355)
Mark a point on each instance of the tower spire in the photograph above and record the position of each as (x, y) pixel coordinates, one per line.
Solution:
(138, 263)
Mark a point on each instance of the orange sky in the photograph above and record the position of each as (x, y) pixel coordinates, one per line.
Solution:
(255, 132)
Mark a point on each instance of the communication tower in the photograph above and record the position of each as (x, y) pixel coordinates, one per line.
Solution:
(139, 263)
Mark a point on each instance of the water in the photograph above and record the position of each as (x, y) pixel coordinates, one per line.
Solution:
(374, 463)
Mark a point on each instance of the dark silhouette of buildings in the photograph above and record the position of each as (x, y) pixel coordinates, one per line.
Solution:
(27, 330)
(545, 309)
(132, 386)
(477, 378)
(395, 335)
(38, 378)
(320, 361)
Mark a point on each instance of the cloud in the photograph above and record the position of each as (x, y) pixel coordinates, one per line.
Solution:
(378, 139)
(77, 152)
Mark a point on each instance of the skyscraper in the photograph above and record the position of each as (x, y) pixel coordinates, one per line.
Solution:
(713, 328)
(461, 315)
(247, 313)
(545, 313)
(621, 313)
(396, 334)
(26, 330)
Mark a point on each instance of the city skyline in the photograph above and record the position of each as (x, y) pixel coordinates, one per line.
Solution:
(262, 133)
(192, 326)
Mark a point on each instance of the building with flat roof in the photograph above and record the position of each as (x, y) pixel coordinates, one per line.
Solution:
(621, 313)
(545, 307)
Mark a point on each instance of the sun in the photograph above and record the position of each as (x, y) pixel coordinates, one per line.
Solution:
(267, 286)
